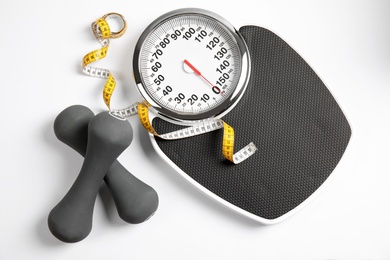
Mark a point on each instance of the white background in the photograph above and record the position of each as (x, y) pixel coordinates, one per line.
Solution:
(42, 43)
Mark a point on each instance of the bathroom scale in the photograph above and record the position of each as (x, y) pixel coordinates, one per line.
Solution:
(285, 109)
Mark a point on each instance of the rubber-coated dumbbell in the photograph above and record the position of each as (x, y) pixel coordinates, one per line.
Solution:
(108, 136)
(135, 200)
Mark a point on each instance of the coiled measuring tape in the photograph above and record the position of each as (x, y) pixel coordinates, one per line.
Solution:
(102, 32)
(203, 127)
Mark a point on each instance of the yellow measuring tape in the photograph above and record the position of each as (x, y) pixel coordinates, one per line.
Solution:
(102, 32)
(202, 127)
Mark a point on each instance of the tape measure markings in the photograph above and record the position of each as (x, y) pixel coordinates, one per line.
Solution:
(128, 111)
(203, 127)
(102, 32)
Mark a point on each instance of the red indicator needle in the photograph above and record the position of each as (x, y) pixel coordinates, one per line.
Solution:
(192, 67)
(197, 72)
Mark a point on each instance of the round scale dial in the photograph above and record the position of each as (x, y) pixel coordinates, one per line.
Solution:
(191, 64)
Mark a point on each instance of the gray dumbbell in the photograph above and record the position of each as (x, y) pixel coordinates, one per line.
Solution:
(108, 136)
(135, 200)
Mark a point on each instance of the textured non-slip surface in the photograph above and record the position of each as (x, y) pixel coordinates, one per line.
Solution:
(287, 111)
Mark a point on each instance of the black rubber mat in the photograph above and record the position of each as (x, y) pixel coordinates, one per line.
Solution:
(287, 111)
